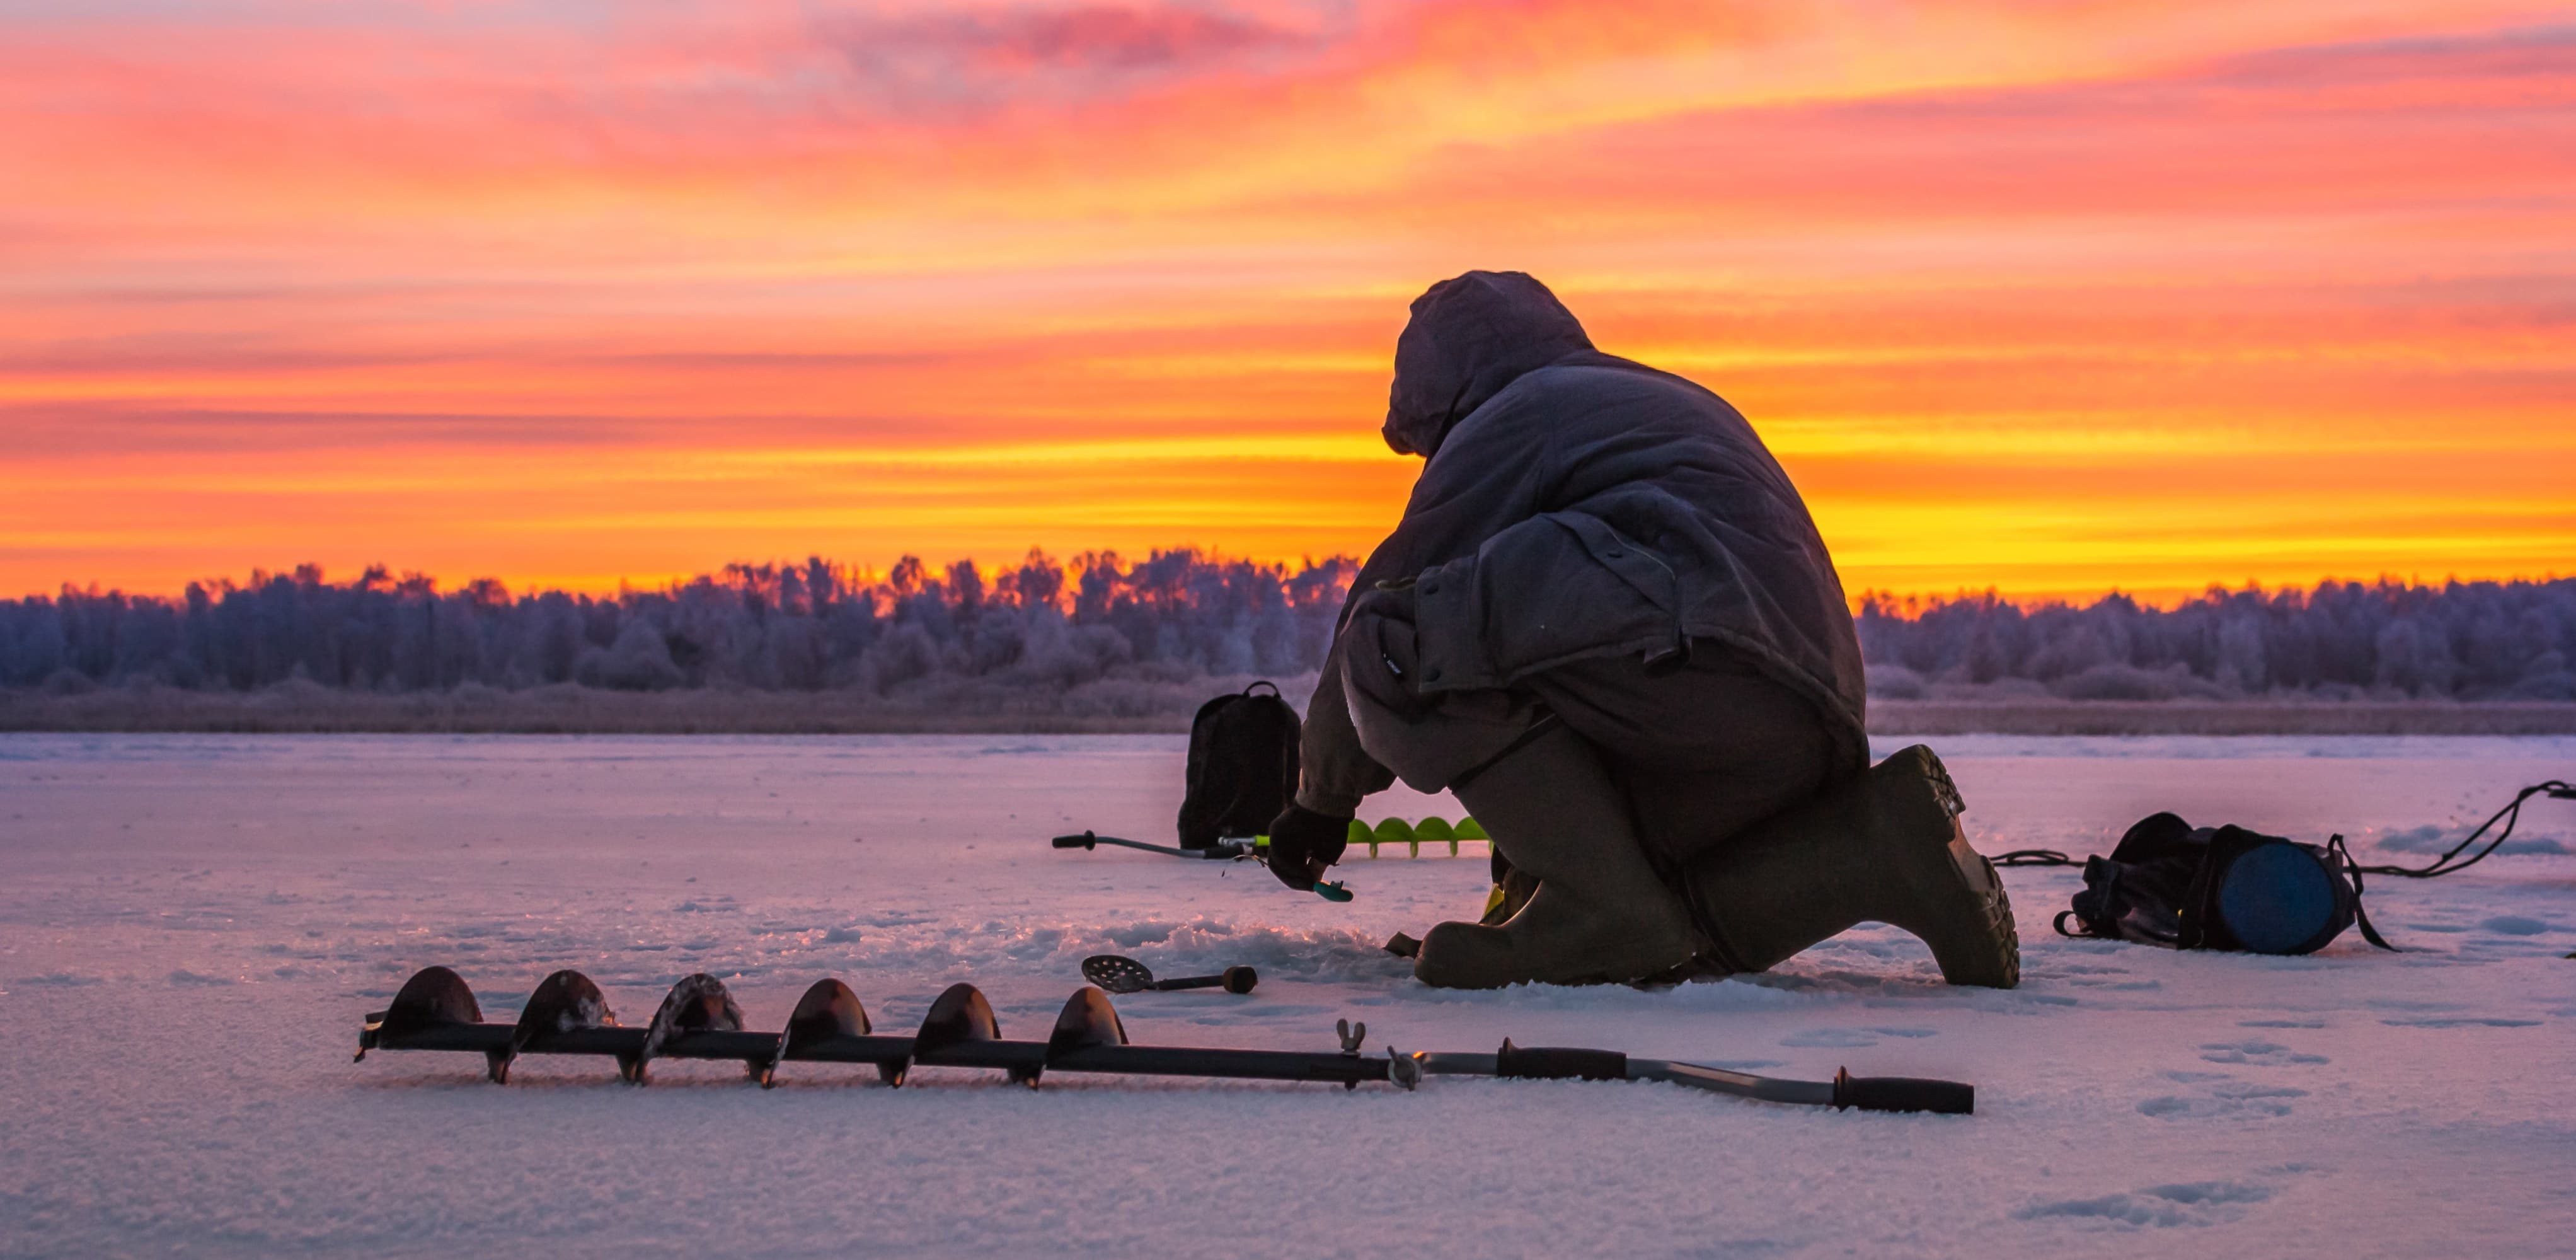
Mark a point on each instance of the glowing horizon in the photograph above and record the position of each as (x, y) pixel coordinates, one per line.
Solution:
(2048, 300)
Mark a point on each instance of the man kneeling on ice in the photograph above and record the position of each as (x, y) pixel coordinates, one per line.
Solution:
(1607, 625)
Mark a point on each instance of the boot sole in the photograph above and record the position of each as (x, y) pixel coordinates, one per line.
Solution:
(1983, 947)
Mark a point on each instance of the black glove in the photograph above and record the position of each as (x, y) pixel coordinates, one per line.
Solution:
(1303, 843)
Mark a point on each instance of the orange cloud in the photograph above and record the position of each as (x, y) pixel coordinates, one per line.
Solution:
(2055, 298)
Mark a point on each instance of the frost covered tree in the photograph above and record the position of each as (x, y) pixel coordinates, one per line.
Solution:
(808, 626)
(1179, 614)
(2459, 640)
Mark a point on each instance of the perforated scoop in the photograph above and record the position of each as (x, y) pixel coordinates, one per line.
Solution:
(1126, 975)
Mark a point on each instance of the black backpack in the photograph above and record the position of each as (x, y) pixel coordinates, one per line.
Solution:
(2170, 883)
(1242, 768)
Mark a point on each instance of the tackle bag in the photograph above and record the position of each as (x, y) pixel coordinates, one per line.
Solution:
(2172, 884)
(1242, 769)
(2184, 887)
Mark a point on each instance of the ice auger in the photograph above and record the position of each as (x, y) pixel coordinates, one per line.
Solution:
(699, 1020)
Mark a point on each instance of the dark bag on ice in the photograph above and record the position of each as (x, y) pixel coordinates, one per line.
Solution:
(1242, 768)
(2172, 884)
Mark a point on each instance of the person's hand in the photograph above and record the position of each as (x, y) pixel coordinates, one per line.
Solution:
(1303, 843)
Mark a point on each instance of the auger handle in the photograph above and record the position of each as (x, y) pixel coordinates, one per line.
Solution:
(1559, 1063)
(1903, 1093)
(1083, 841)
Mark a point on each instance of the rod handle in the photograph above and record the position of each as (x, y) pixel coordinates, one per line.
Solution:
(1903, 1093)
(1083, 841)
(1331, 891)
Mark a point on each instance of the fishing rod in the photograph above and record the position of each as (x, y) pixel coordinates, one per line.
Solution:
(1388, 833)
(1253, 850)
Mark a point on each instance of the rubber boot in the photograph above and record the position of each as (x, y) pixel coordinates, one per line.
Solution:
(1599, 914)
(1884, 847)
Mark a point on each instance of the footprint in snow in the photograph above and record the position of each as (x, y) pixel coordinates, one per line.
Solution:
(2514, 925)
(2459, 1021)
(2257, 1052)
(2225, 1100)
(1850, 1038)
(2157, 1207)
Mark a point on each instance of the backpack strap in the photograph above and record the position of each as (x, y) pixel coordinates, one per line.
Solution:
(2098, 909)
(2360, 917)
(1262, 682)
(2511, 814)
(2051, 857)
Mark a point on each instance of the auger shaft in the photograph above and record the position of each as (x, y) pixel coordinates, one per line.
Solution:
(1031, 1056)
(435, 1011)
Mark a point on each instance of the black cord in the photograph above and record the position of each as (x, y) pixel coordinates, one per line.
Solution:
(2509, 815)
(2032, 857)
(2443, 865)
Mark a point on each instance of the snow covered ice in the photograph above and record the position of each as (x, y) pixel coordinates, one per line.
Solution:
(191, 927)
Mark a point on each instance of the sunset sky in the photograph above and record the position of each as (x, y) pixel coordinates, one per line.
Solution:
(2055, 298)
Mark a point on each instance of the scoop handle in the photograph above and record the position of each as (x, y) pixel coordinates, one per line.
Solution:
(1234, 980)
(1904, 1093)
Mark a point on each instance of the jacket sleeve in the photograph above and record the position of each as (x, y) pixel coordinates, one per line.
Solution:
(1483, 479)
(1334, 771)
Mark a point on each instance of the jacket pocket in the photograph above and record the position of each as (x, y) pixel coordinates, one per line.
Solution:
(1554, 588)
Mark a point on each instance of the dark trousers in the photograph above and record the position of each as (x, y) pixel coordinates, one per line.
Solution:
(1703, 751)
(1699, 753)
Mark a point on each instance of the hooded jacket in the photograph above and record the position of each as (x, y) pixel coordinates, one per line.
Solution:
(1575, 504)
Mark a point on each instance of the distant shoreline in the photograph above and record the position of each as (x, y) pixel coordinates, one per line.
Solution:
(2221, 717)
(1164, 708)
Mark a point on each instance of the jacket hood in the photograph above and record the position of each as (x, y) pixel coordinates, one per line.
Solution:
(1468, 338)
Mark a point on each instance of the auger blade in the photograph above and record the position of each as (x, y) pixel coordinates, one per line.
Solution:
(1392, 831)
(434, 997)
(1087, 1020)
(698, 1003)
(1436, 831)
(827, 1010)
(960, 1015)
(960, 1031)
(565, 1002)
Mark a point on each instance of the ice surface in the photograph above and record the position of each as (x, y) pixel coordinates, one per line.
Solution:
(190, 928)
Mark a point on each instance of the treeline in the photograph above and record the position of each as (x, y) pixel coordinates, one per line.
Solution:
(2342, 640)
(1183, 614)
(764, 627)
